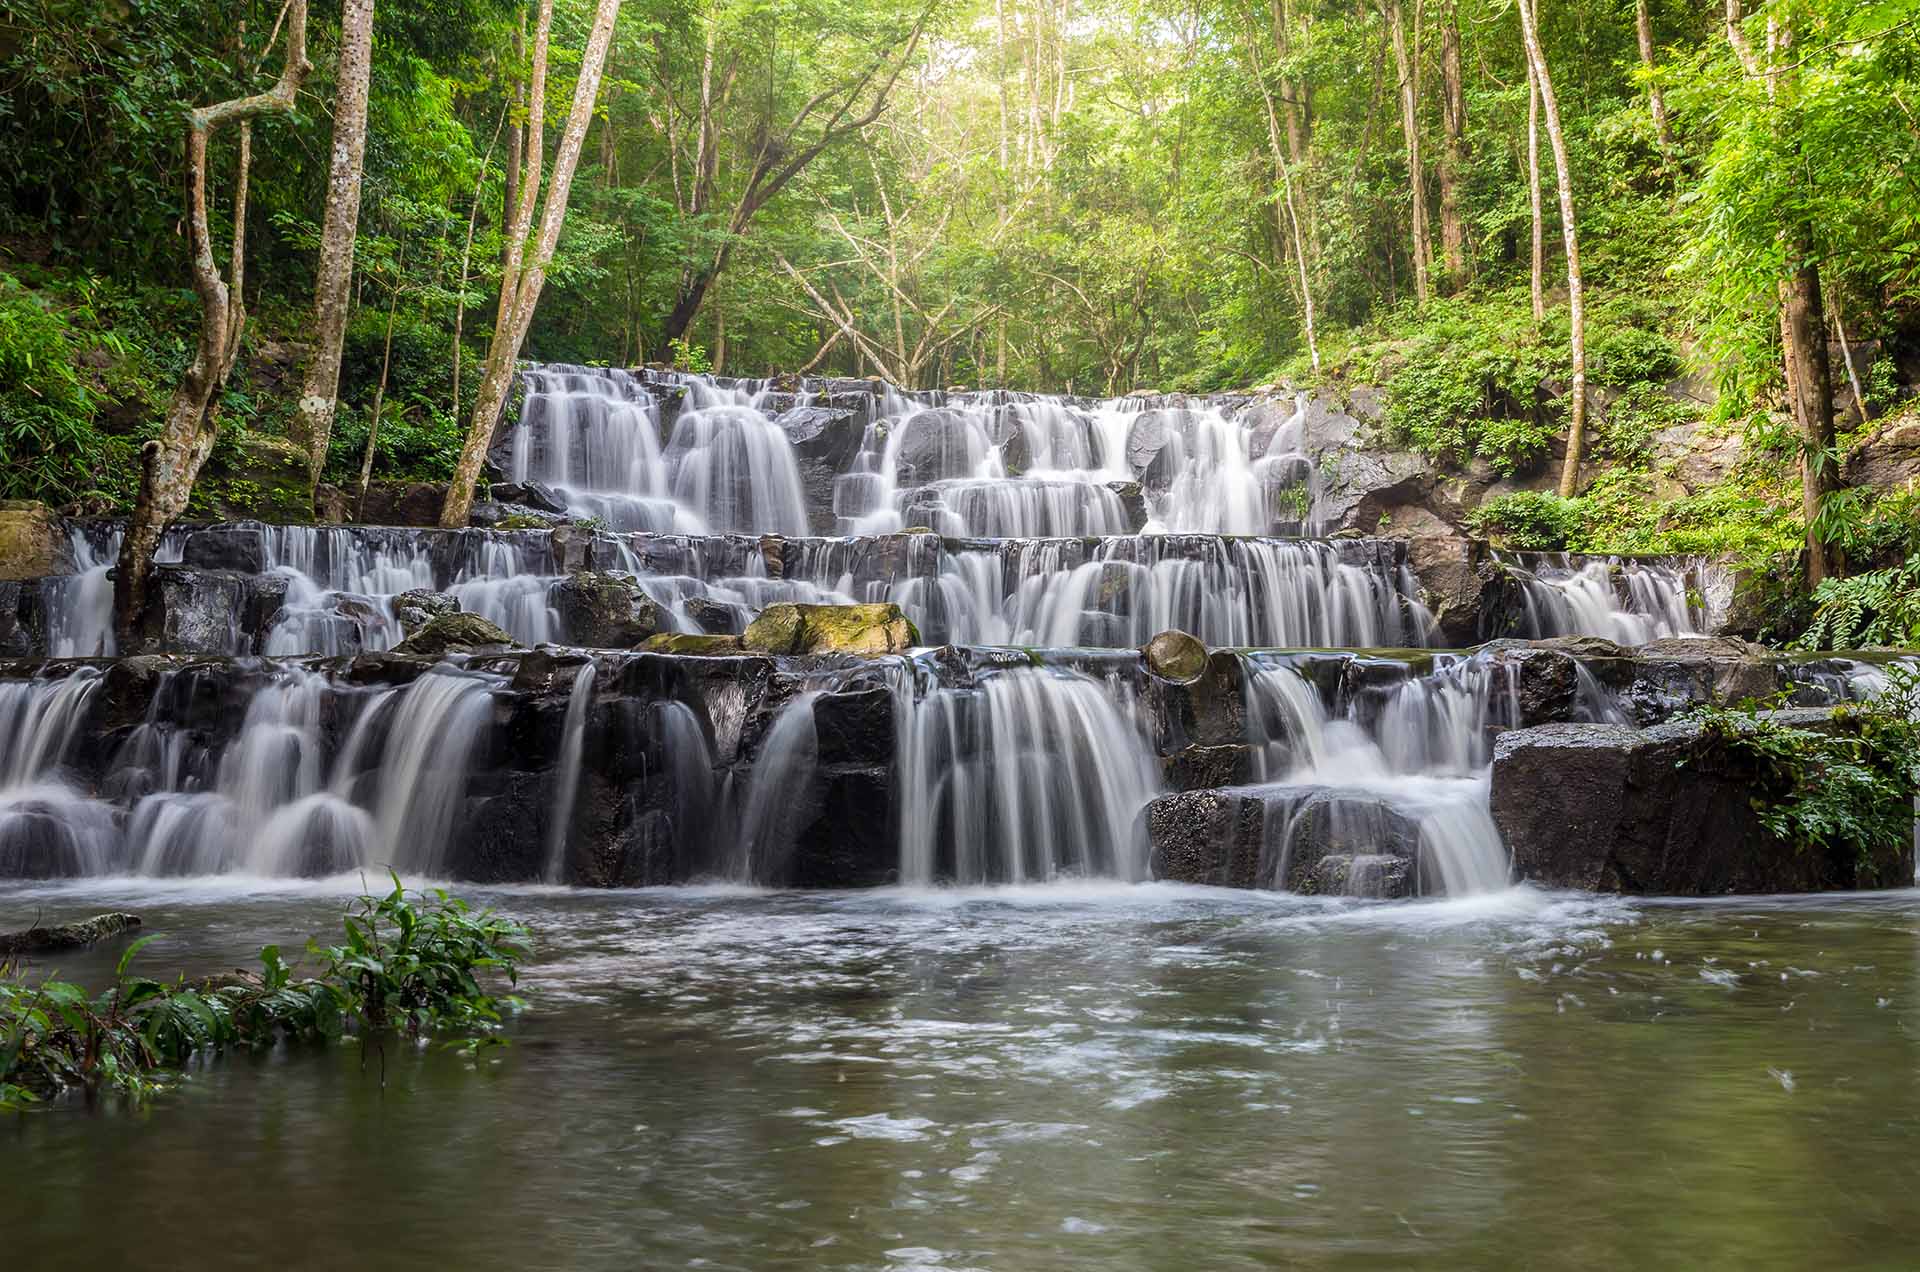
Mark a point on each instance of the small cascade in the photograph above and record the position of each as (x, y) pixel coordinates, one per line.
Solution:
(1032, 775)
(1385, 796)
(1627, 601)
(573, 738)
(1215, 483)
(80, 605)
(783, 770)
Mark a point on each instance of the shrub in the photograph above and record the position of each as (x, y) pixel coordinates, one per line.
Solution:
(1531, 520)
(1881, 607)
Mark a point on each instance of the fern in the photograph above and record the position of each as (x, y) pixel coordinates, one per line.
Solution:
(1878, 608)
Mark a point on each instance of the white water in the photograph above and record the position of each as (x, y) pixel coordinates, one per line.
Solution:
(1627, 601)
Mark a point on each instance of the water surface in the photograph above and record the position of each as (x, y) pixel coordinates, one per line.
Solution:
(1108, 1077)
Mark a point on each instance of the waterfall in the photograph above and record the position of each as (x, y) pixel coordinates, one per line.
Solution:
(573, 735)
(1033, 775)
(1407, 791)
(1627, 601)
(782, 773)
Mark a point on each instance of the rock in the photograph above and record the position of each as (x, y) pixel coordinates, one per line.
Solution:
(939, 444)
(241, 547)
(1667, 810)
(605, 611)
(534, 495)
(66, 936)
(691, 644)
(489, 515)
(455, 634)
(415, 609)
(787, 628)
(1888, 460)
(1279, 837)
(402, 503)
(715, 618)
(1176, 656)
(33, 542)
(260, 477)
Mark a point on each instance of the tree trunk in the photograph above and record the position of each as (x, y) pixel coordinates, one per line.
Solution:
(171, 463)
(521, 285)
(1569, 234)
(379, 400)
(1453, 157)
(1409, 70)
(1656, 100)
(312, 424)
(1538, 277)
(1811, 388)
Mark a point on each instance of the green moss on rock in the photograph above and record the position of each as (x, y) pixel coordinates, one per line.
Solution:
(455, 634)
(831, 629)
(1176, 656)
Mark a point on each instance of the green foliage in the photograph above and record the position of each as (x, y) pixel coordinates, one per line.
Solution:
(1869, 527)
(46, 408)
(1881, 607)
(689, 357)
(411, 965)
(1849, 790)
(1529, 520)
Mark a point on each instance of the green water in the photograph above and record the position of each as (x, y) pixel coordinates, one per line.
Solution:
(1100, 1077)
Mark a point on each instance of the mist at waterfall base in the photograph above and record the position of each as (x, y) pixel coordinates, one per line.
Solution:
(1074, 1076)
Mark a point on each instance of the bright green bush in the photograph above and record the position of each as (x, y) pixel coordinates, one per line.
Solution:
(1880, 607)
(1531, 520)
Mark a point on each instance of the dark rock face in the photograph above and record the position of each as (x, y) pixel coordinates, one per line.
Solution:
(605, 611)
(1889, 460)
(1666, 810)
(402, 503)
(530, 495)
(1304, 839)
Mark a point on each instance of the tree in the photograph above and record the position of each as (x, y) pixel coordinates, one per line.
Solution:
(312, 424)
(1656, 99)
(522, 278)
(171, 462)
(1408, 66)
(1453, 153)
(1570, 236)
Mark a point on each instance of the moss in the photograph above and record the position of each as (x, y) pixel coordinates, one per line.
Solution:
(690, 643)
(1176, 656)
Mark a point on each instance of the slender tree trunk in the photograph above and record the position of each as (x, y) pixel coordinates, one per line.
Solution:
(1286, 202)
(520, 286)
(1453, 156)
(466, 258)
(1409, 70)
(1533, 196)
(1811, 388)
(312, 424)
(379, 400)
(1846, 354)
(171, 463)
(1656, 100)
(1569, 233)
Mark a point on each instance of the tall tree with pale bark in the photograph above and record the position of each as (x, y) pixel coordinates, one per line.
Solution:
(524, 274)
(312, 424)
(171, 462)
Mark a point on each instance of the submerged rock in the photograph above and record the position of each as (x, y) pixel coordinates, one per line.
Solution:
(788, 628)
(1176, 656)
(67, 936)
(455, 634)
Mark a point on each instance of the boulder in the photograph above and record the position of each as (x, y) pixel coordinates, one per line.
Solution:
(402, 503)
(455, 634)
(1667, 810)
(1176, 656)
(241, 547)
(33, 541)
(938, 444)
(416, 608)
(534, 495)
(605, 611)
(1282, 837)
(787, 628)
(1887, 460)
(715, 618)
(261, 477)
(66, 936)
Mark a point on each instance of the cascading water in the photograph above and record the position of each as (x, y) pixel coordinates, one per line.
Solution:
(1405, 790)
(1627, 601)
(1030, 776)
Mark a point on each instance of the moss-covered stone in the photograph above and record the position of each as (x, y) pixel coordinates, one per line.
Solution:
(831, 629)
(33, 542)
(605, 611)
(261, 477)
(455, 634)
(690, 643)
(1176, 656)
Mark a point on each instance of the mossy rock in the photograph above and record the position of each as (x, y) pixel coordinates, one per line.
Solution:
(1176, 656)
(789, 628)
(33, 542)
(261, 478)
(455, 634)
(693, 643)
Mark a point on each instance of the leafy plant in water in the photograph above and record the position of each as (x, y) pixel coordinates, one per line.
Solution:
(410, 965)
